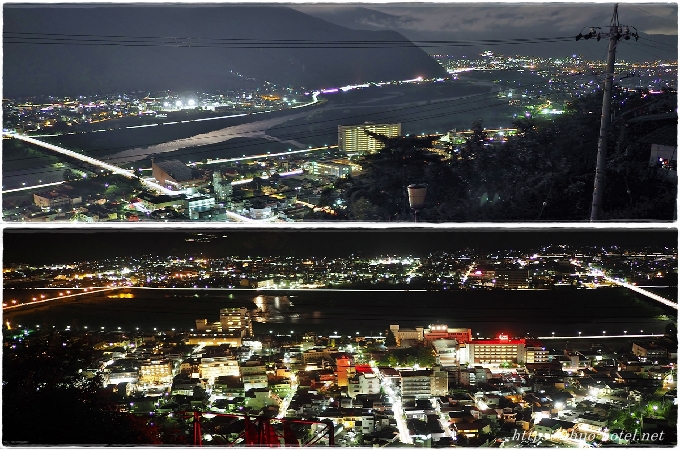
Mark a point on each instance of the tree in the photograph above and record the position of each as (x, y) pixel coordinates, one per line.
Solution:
(544, 172)
(69, 175)
(362, 209)
(390, 339)
(257, 183)
(47, 402)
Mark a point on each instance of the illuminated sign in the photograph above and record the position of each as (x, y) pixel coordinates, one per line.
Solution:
(503, 337)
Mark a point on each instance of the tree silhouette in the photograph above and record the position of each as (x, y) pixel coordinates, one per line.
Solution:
(544, 172)
(390, 339)
(47, 402)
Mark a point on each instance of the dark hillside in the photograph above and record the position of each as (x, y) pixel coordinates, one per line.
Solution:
(191, 48)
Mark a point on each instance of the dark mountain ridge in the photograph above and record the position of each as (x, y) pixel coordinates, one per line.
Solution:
(145, 62)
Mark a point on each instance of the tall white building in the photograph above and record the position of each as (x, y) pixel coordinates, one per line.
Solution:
(235, 320)
(353, 138)
(222, 188)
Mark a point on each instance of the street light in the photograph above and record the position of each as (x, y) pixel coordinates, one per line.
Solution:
(416, 198)
(579, 334)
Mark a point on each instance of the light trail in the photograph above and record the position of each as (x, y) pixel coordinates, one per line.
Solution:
(600, 273)
(603, 336)
(93, 161)
(60, 297)
(239, 218)
(37, 186)
(464, 278)
(115, 169)
(268, 155)
(639, 290)
(263, 289)
(265, 177)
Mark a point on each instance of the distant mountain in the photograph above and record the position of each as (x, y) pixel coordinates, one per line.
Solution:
(141, 63)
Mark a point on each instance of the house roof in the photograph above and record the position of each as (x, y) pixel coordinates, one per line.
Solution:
(555, 424)
(176, 169)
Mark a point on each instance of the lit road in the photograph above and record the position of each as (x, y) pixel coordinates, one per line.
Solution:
(464, 278)
(637, 289)
(600, 273)
(404, 435)
(115, 169)
(268, 155)
(286, 401)
(603, 336)
(61, 296)
(93, 161)
(37, 186)
(443, 420)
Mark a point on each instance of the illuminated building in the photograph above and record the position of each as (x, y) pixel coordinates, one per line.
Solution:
(462, 335)
(493, 351)
(363, 383)
(236, 320)
(512, 279)
(353, 138)
(474, 376)
(650, 350)
(424, 383)
(222, 188)
(415, 334)
(339, 168)
(446, 351)
(122, 376)
(55, 200)
(154, 202)
(536, 353)
(254, 376)
(199, 202)
(218, 366)
(215, 338)
(155, 372)
(344, 368)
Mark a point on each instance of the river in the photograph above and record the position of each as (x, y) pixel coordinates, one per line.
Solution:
(518, 313)
(420, 108)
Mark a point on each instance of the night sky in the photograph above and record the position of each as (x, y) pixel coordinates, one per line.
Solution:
(491, 20)
(61, 246)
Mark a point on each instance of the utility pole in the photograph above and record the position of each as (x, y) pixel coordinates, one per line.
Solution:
(616, 32)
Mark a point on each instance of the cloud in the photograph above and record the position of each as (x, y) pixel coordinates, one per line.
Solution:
(528, 19)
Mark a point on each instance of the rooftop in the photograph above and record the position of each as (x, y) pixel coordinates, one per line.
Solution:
(176, 169)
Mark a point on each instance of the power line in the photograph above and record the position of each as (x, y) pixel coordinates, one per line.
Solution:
(647, 12)
(198, 42)
(659, 42)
